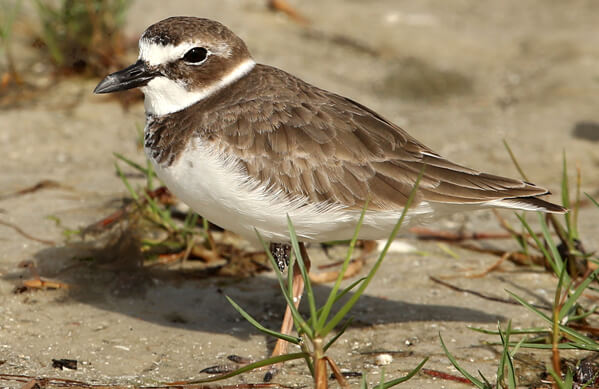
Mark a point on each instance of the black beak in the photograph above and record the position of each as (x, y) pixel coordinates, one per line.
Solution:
(133, 76)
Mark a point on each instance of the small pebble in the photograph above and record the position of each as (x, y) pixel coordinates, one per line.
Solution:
(383, 359)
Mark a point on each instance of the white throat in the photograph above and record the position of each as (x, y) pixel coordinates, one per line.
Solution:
(164, 96)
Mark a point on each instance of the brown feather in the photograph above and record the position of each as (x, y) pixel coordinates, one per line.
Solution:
(313, 144)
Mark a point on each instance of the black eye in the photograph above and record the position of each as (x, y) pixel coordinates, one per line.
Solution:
(195, 55)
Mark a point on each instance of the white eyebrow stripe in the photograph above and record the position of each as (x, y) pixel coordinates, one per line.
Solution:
(156, 54)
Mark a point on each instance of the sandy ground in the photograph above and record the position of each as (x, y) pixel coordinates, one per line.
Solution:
(460, 76)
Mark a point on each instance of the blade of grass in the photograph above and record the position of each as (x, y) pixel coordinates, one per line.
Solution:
(252, 366)
(290, 271)
(326, 309)
(561, 346)
(534, 330)
(164, 216)
(337, 335)
(297, 318)
(566, 197)
(150, 175)
(135, 165)
(411, 374)
(260, 327)
(572, 334)
(576, 294)
(592, 199)
(576, 207)
(540, 245)
(514, 160)
(345, 291)
(353, 299)
(555, 333)
(582, 316)
(517, 347)
(305, 276)
(479, 384)
(133, 194)
(382, 379)
(506, 357)
(555, 255)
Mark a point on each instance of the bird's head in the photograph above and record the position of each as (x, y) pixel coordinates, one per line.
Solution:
(181, 61)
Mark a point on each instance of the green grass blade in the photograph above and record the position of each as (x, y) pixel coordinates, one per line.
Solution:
(290, 268)
(133, 194)
(305, 276)
(566, 197)
(191, 221)
(540, 244)
(363, 382)
(570, 333)
(569, 381)
(592, 199)
(326, 309)
(502, 361)
(345, 291)
(163, 215)
(529, 306)
(353, 299)
(382, 379)
(560, 346)
(555, 255)
(576, 294)
(584, 315)
(337, 335)
(563, 384)
(252, 366)
(134, 165)
(7, 22)
(297, 318)
(150, 175)
(260, 327)
(479, 384)
(514, 160)
(517, 347)
(527, 331)
(506, 358)
(411, 374)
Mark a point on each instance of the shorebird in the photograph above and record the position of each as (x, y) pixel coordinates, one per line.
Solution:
(246, 145)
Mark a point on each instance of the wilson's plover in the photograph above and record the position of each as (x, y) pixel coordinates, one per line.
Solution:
(246, 144)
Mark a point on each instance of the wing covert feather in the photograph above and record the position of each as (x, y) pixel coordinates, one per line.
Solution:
(309, 143)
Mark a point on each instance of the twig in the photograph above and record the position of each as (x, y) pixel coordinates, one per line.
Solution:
(283, 6)
(26, 235)
(338, 375)
(444, 376)
(484, 296)
(354, 268)
(44, 184)
(490, 268)
(587, 328)
(65, 383)
(426, 234)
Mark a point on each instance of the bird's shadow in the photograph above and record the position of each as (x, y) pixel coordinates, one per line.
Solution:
(118, 283)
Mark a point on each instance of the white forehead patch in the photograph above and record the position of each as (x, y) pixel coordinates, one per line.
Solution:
(156, 54)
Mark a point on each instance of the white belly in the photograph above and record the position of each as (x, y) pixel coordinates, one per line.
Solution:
(214, 187)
